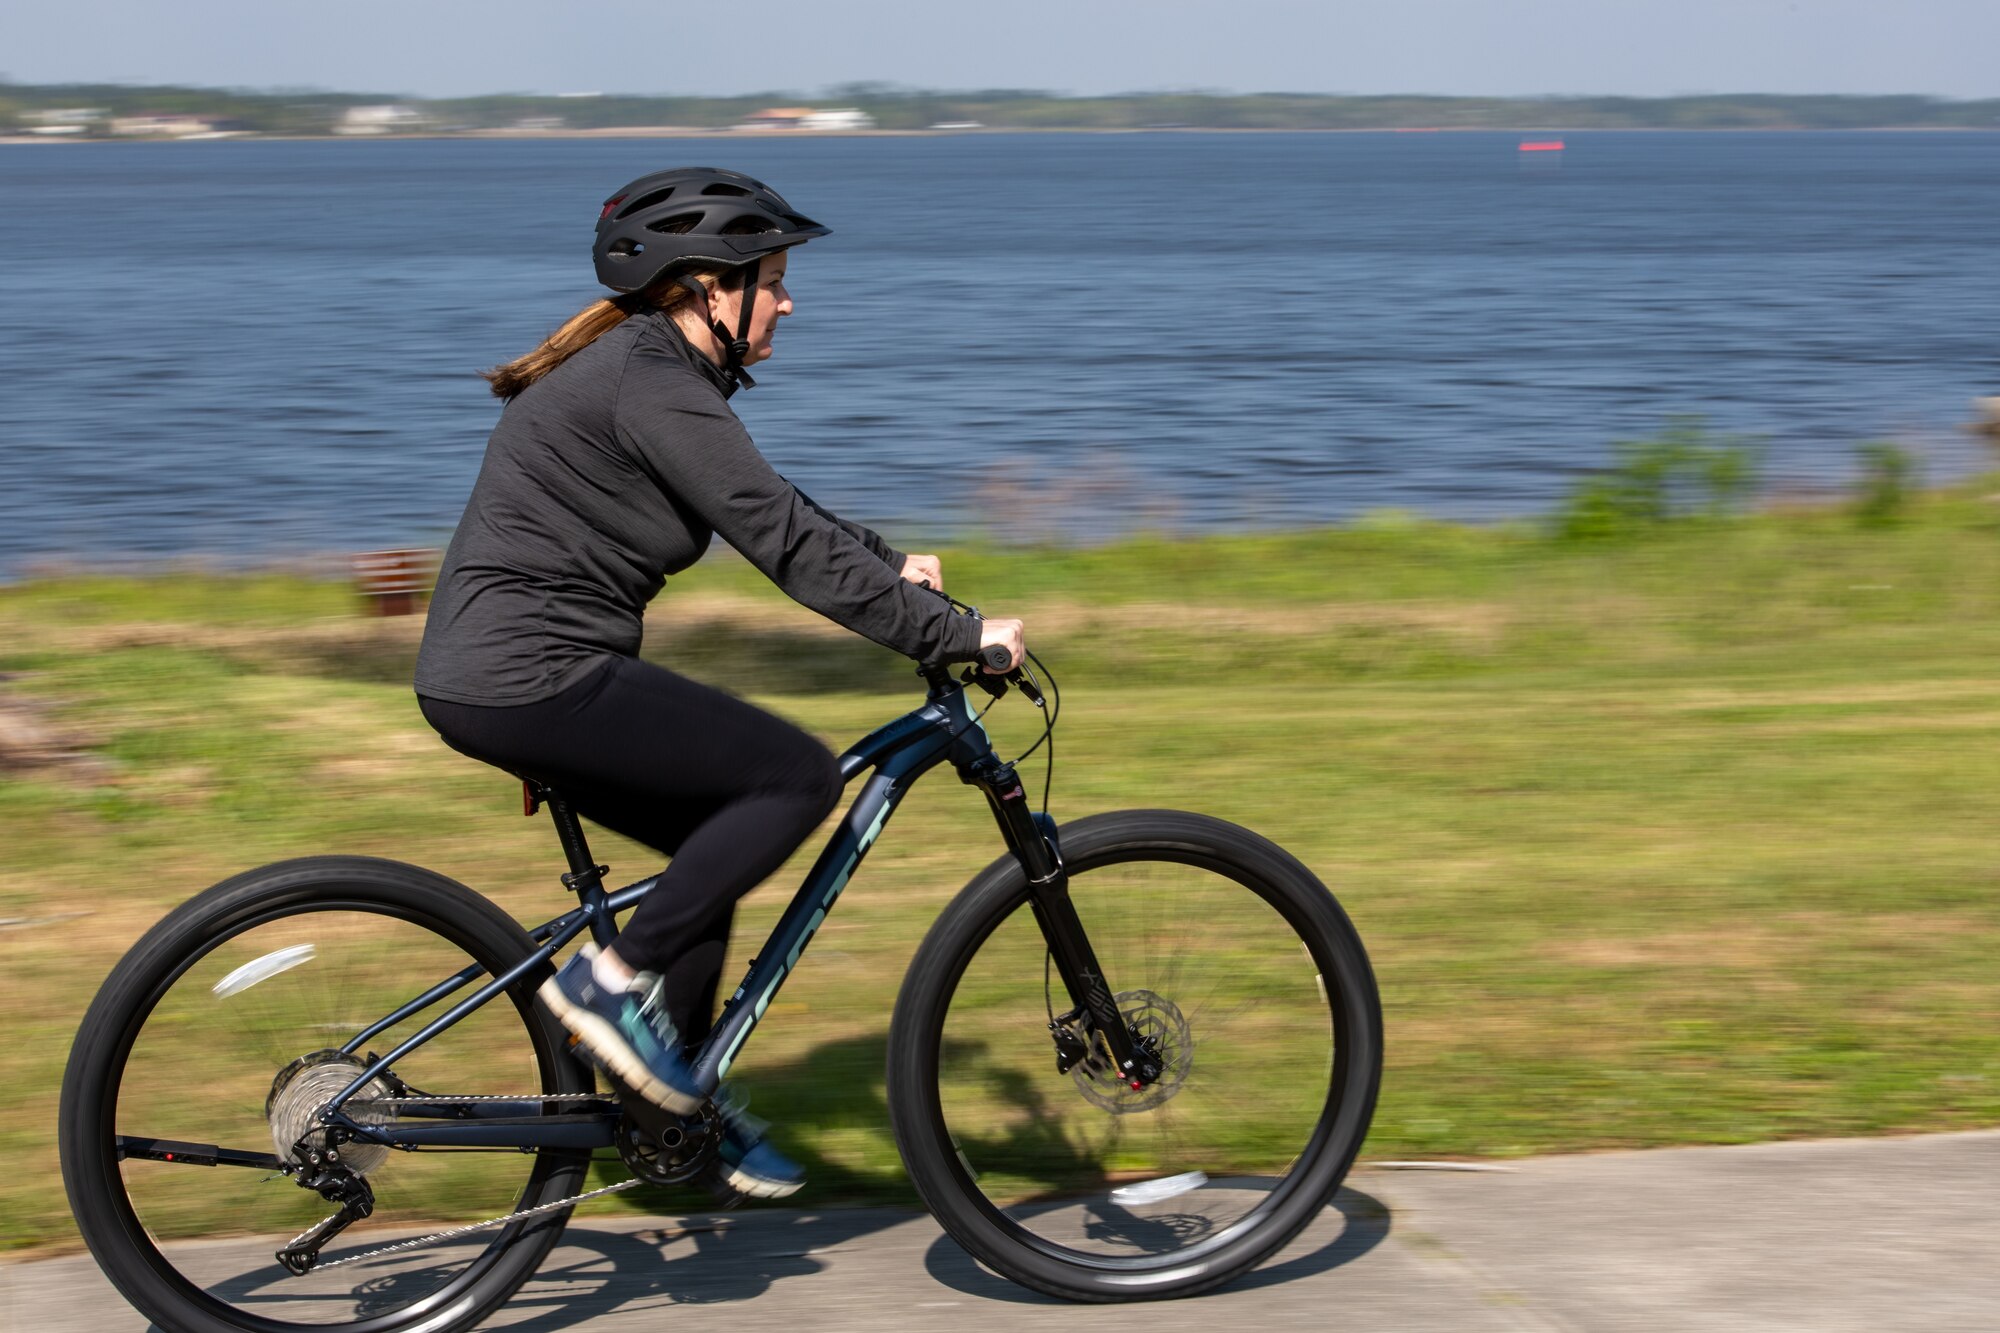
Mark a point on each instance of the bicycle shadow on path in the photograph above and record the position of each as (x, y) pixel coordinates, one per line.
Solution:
(677, 1262)
(660, 1248)
(836, 1089)
(1365, 1223)
(886, 1258)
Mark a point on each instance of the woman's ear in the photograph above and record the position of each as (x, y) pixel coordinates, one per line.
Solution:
(723, 305)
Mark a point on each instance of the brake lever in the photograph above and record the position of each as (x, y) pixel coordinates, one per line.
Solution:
(985, 680)
(996, 685)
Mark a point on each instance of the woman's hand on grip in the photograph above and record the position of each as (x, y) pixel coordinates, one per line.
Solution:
(1007, 633)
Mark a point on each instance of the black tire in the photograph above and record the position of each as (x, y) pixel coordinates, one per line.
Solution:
(165, 1053)
(1251, 1145)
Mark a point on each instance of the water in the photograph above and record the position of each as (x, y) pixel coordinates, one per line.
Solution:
(257, 349)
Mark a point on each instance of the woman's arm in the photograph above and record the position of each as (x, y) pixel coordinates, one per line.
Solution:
(700, 453)
(868, 537)
(916, 568)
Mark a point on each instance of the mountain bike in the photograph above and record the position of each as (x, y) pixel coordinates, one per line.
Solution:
(1132, 1058)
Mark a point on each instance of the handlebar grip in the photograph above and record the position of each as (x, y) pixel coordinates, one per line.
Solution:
(996, 657)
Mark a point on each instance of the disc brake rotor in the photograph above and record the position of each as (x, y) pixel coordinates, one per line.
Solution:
(1159, 1027)
(310, 1082)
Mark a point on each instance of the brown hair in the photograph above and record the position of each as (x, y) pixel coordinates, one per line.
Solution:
(589, 324)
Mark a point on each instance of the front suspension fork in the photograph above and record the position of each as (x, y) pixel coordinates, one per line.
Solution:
(1032, 838)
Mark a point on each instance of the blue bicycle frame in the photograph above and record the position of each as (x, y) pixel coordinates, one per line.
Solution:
(899, 753)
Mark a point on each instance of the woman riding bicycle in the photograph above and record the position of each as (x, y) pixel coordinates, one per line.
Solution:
(615, 460)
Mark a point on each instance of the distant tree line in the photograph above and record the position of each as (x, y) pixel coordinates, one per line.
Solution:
(304, 111)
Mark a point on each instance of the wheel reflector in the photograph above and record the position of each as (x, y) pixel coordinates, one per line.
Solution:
(1153, 1191)
(263, 969)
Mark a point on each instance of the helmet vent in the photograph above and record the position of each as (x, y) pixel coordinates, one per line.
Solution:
(675, 225)
(736, 191)
(646, 201)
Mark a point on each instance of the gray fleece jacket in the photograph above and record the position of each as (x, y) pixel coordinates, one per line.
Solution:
(607, 475)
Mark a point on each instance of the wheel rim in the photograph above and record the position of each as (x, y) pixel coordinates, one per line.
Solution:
(200, 1065)
(1093, 1173)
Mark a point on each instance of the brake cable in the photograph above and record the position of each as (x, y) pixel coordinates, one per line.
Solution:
(1032, 686)
(1024, 676)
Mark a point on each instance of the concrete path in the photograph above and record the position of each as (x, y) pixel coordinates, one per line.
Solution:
(1884, 1234)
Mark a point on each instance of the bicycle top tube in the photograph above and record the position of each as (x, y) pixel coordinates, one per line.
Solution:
(946, 709)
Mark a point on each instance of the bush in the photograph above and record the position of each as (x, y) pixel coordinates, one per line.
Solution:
(1677, 477)
(1886, 473)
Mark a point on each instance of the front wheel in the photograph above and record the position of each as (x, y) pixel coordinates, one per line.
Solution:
(1234, 965)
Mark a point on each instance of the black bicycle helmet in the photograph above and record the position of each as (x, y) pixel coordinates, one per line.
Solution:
(694, 217)
(689, 217)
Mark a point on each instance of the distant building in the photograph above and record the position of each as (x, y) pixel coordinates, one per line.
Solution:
(806, 118)
(844, 118)
(161, 126)
(775, 118)
(63, 121)
(386, 118)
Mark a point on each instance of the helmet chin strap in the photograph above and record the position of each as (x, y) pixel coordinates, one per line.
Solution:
(737, 346)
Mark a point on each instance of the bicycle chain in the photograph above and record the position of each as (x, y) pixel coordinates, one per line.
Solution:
(504, 1218)
(486, 1097)
(434, 1237)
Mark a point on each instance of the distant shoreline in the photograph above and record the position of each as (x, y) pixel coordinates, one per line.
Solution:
(754, 136)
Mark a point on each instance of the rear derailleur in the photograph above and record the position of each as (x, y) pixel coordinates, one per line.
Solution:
(324, 1173)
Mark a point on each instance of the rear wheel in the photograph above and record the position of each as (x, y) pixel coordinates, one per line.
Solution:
(223, 1028)
(1239, 971)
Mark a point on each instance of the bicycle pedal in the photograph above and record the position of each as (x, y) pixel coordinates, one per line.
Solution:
(727, 1199)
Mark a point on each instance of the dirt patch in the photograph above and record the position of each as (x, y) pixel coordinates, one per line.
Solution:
(1770, 945)
(33, 740)
(1873, 723)
(1476, 621)
(1833, 696)
(1747, 948)
(363, 648)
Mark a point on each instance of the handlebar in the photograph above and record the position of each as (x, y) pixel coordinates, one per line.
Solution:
(993, 656)
(1001, 671)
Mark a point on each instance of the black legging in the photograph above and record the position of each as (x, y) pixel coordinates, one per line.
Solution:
(727, 790)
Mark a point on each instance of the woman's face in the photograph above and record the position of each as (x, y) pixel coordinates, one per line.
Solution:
(772, 302)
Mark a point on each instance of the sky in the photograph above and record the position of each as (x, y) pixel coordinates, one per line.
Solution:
(441, 48)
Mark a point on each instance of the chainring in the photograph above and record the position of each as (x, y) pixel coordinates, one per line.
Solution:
(309, 1083)
(666, 1149)
(1162, 1031)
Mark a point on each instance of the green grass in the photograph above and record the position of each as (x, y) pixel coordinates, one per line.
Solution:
(1680, 838)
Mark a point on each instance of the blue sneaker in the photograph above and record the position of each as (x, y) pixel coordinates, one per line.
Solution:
(745, 1160)
(627, 1033)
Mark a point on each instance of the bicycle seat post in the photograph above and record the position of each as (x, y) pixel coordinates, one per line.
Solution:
(586, 876)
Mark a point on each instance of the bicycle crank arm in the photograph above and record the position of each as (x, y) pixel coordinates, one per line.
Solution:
(659, 1146)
